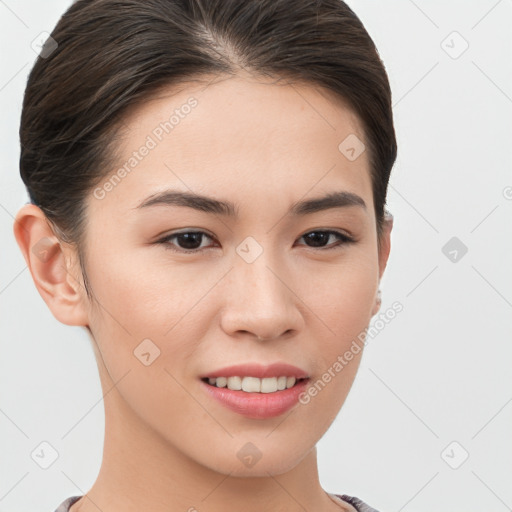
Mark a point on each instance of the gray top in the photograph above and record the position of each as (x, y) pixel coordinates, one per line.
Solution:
(358, 504)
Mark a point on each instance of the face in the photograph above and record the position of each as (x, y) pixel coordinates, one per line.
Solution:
(188, 288)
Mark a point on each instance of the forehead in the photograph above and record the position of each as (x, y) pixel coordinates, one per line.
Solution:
(237, 136)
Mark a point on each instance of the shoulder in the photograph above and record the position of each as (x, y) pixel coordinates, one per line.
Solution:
(66, 504)
(358, 504)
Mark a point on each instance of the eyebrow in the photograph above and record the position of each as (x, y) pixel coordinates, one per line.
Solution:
(227, 208)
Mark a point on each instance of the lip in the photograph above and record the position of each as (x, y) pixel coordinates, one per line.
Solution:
(258, 370)
(257, 405)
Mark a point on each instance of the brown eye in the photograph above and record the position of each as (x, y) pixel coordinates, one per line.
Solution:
(319, 238)
(187, 241)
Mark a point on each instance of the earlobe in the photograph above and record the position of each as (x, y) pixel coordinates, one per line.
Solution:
(52, 265)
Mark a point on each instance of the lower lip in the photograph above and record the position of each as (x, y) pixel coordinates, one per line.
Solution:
(257, 405)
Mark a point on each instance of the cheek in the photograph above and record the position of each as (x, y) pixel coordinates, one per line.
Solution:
(343, 309)
(341, 301)
(342, 294)
(138, 298)
(138, 322)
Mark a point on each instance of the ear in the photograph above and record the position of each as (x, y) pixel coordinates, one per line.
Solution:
(53, 266)
(384, 248)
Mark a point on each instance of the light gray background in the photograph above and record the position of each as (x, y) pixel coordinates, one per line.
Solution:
(438, 373)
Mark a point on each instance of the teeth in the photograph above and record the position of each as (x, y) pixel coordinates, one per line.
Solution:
(234, 383)
(253, 384)
(221, 382)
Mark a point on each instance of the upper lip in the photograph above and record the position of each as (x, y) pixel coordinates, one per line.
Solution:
(258, 370)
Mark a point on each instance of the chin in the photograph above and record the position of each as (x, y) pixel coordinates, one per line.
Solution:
(247, 460)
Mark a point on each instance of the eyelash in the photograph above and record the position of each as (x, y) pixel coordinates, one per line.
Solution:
(342, 237)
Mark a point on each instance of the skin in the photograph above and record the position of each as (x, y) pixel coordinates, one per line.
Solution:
(262, 145)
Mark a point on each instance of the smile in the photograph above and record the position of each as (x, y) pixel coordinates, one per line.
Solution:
(253, 384)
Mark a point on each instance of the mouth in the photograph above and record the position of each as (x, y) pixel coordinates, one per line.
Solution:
(254, 390)
(250, 385)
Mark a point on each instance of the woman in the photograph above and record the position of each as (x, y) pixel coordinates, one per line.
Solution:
(208, 183)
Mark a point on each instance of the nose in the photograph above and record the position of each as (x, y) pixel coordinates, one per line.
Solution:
(260, 300)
